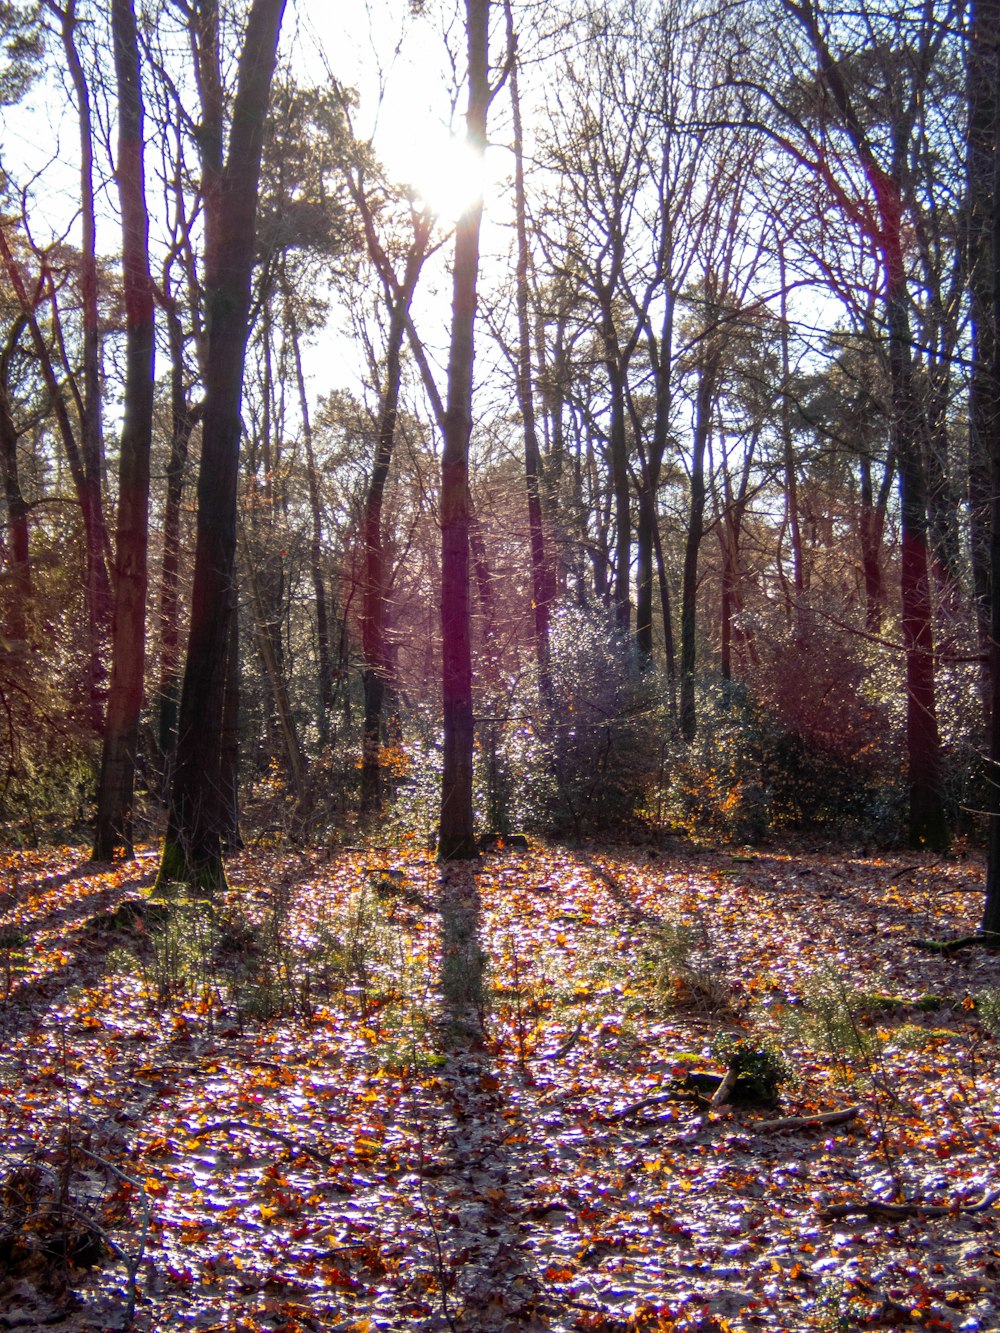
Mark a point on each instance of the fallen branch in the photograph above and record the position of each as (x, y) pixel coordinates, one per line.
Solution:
(567, 1045)
(227, 1127)
(657, 1099)
(873, 1209)
(986, 940)
(132, 1262)
(809, 1121)
(724, 1091)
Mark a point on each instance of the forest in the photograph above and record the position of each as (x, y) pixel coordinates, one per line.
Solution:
(499, 665)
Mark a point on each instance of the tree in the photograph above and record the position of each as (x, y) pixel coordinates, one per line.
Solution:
(128, 637)
(200, 812)
(856, 144)
(524, 380)
(89, 396)
(984, 117)
(456, 838)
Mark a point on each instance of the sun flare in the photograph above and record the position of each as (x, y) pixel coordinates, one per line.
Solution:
(445, 174)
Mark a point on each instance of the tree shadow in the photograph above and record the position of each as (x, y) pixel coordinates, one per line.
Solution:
(637, 916)
(484, 1268)
(85, 931)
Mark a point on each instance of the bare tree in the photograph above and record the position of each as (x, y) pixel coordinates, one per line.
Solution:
(200, 817)
(128, 639)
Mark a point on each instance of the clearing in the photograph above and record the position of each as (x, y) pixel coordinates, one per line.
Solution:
(367, 1094)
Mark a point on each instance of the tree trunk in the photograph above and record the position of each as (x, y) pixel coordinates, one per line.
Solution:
(618, 446)
(927, 825)
(18, 615)
(644, 568)
(984, 115)
(201, 814)
(183, 419)
(117, 782)
(375, 590)
(788, 450)
(696, 529)
(325, 671)
(983, 72)
(91, 443)
(456, 838)
(526, 398)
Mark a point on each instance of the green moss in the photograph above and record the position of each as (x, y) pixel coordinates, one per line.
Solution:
(177, 874)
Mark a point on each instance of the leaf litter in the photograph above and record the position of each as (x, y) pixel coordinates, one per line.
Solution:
(364, 1093)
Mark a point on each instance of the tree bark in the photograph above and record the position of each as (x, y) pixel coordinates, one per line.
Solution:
(325, 667)
(18, 615)
(117, 782)
(525, 394)
(91, 443)
(375, 589)
(707, 374)
(983, 72)
(984, 114)
(456, 839)
(183, 419)
(201, 813)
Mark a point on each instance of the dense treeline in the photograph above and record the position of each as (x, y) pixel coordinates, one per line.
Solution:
(691, 490)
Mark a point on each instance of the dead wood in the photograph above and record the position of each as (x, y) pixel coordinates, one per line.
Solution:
(228, 1126)
(810, 1121)
(873, 1209)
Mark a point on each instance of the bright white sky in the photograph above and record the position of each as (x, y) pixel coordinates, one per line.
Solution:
(409, 75)
(405, 69)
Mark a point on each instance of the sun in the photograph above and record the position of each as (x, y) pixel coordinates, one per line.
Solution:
(446, 175)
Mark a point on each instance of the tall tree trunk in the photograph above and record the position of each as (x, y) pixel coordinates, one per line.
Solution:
(375, 585)
(18, 615)
(788, 449)
(183, 419)
(201, 813)
(325, 666)
(117, 782)
(984, 114)
(928, 825)
(456, 838)
(621, 491)
(983, 72)
(644, 566)
(91, 443)
(696, 529)
(526, 396)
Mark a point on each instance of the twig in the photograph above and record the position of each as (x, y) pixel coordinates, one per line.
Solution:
(808, 1121)
(873, 1209)
(656, 1100)
(132, 1264)
(227, 1127)
(567, 1045)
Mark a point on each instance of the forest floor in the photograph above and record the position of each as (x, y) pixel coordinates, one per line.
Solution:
(365, 1094)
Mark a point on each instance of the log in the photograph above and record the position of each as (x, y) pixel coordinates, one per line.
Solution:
(895, 1211)
(810, 1121)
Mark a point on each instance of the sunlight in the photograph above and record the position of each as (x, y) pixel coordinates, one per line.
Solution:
(446, 176)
